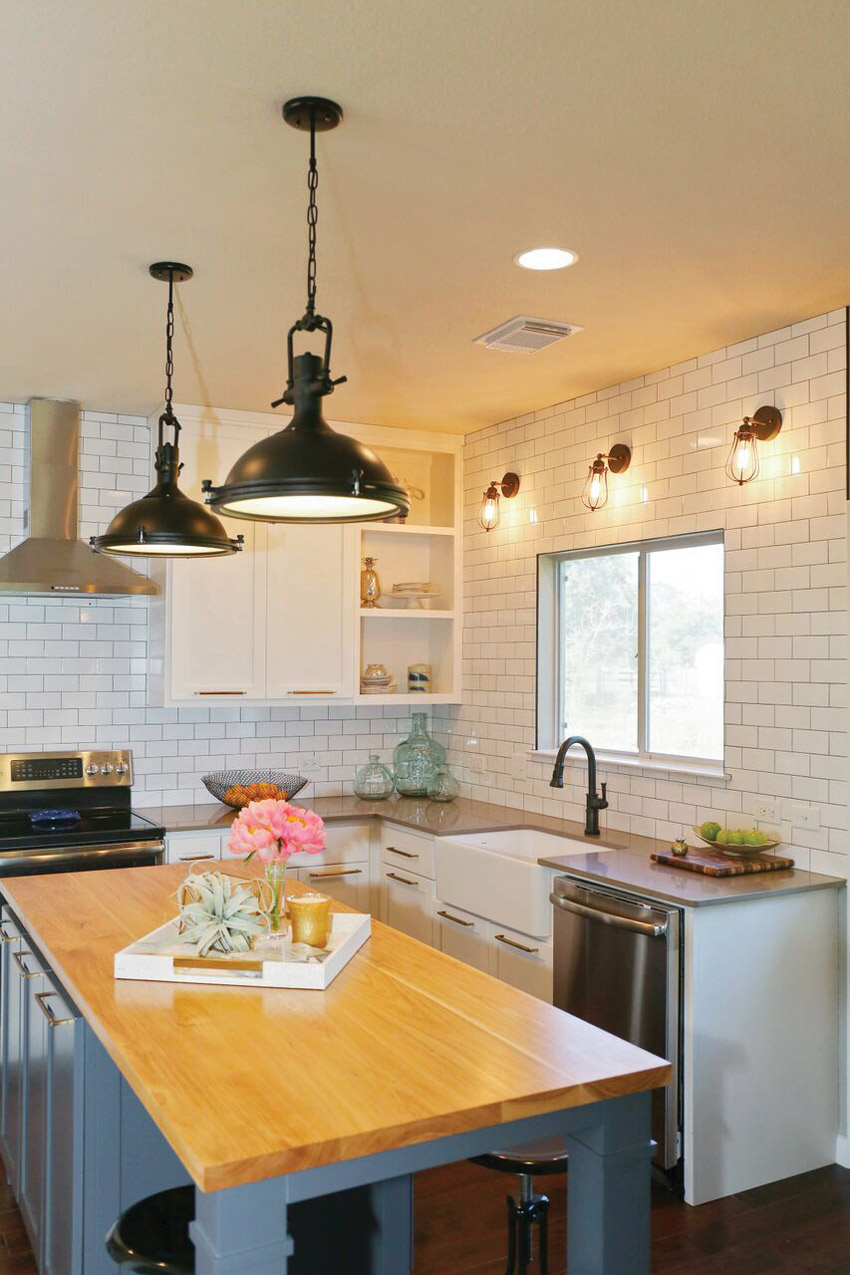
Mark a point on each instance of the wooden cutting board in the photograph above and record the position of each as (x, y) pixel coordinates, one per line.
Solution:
(712, 864)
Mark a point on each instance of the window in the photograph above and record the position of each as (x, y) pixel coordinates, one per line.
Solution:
(630, 648)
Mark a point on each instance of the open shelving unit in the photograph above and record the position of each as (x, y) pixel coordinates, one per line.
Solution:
(398, 632)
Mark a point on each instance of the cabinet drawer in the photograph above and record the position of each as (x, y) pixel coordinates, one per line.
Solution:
(409, 902)
(522, 961)
(192, 847)
(462, 935)
(345, 843)
(402, 848)
(348, 882)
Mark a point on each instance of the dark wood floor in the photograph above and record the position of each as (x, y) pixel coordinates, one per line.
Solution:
(797, 1227)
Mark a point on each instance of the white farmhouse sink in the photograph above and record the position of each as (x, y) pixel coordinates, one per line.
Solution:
(496, 875)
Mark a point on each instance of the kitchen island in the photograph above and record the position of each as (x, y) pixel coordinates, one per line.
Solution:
(271, 1097)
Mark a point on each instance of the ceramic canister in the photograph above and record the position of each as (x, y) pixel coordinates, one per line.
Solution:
(419, 678)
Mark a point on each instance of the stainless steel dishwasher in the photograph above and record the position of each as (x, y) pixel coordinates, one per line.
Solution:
(617, 964)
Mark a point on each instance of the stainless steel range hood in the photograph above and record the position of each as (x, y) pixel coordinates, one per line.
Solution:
(53, 560)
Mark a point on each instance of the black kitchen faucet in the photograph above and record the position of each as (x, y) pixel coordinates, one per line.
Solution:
(594, 803)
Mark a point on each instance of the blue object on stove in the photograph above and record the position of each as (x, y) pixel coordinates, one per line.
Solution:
(53, 817)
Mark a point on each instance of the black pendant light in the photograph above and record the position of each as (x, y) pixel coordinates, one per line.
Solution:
(165, 523)
(308, 472)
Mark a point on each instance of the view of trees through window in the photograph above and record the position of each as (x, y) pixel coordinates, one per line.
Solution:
(644, 627)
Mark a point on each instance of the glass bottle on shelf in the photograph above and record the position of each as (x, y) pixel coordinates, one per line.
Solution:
(417, 759)
(374, 781)
(443, 786)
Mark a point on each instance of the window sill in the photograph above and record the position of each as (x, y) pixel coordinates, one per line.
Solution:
(652, 765)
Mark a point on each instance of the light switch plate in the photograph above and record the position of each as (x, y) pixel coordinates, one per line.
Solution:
(800, 815)
(309, 763)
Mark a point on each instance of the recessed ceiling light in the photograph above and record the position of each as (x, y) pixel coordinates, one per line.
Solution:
(546, 258)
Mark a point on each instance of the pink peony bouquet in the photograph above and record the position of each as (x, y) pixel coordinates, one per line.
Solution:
(275, 830)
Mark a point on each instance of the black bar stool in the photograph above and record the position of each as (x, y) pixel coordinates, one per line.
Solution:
(538, 1159)
(152, 1236)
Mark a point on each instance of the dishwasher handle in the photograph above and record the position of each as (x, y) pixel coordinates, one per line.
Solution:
(653, 929)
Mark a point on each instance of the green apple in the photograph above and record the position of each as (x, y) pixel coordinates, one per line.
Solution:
(735, 839)
(722, 837)
(709, 830)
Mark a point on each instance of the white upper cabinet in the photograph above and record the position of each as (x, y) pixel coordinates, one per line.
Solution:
(309, 612)
(281, 622)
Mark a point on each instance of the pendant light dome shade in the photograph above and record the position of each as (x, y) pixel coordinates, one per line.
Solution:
(165, 523)
(308, 472)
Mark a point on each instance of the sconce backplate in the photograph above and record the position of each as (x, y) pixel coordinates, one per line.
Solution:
(766, 423)
(509, 485)
(619, 458)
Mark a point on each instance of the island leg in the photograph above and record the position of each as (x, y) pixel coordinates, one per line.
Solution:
(242, 1231)
(608, 1192)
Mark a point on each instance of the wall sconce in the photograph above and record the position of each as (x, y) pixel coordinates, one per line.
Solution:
(488, 514)
(595, 491)
(743, 463)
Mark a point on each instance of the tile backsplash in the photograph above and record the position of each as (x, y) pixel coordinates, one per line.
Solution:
(786, 585)
(73, 673)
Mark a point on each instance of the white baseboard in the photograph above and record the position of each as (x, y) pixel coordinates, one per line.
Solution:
(842, 1151)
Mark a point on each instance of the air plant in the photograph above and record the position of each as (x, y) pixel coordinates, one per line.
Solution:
(219, 913)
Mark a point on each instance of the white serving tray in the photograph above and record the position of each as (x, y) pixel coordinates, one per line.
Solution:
(162, 957)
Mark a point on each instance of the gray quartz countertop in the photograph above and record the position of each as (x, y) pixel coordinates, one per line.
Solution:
(618, 859)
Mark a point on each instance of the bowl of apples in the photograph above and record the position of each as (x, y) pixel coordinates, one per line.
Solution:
(738, 841)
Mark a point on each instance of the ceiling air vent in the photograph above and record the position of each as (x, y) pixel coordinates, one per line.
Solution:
(524, 335)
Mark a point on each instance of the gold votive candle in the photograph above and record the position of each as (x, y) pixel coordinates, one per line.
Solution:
(310, 919)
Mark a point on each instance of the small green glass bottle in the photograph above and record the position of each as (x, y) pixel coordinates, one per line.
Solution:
(417, 759)
(443, 786)
(373, 782)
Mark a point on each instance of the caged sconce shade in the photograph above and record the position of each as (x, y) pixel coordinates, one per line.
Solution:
(595, 491)
(742, 464)
(488, 514)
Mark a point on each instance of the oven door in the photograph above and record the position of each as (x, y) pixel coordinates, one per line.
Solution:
(119, 854)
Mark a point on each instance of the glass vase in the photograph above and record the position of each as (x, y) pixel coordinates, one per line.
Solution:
(276, 878)
(373, 782)
(417, 759)
(443, 786)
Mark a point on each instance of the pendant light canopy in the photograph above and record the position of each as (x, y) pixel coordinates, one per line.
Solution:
(308, 472)
(165, 523)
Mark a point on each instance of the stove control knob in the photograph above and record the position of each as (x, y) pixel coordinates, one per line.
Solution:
(91, 769)
(121, 768)
(107, 768)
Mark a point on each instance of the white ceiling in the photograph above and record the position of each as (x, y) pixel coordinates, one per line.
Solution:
(694, 152)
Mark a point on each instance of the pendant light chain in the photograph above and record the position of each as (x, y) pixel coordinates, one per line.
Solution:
(312, 218)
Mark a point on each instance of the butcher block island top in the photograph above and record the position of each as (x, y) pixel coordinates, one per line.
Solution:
(405, 1046)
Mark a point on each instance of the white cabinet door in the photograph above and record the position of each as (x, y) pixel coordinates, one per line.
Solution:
(192, 847)
(462, 935)
(409, 903)
(310, 642)
(523, 962)
(346, 882)
(215, 607)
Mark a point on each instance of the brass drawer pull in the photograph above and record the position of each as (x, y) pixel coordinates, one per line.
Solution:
(406, 854)
(404, 880)
(6, 938)
(193, 858)
(503, 938)
(18, 958)
(311, 692)
(343, 872)
(52, 1021)
(457, 919)
(221, 692)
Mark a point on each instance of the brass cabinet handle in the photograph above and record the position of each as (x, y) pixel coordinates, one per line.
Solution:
(193, 858)
(343, 872)
(18, 958)
(221, 692)
(6, 938)
(52, 1021)
(406, 854)
(404, 880)
(311, 692)
(503, 938)
(457, 919)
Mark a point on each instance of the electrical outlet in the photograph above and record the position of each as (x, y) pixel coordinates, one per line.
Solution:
(802, 816)
(517, 766)
(766, 809)
(472, 759)
(309, 764)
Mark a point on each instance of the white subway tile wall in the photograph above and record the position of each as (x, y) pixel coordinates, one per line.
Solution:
(73, 672)
(786, 582)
